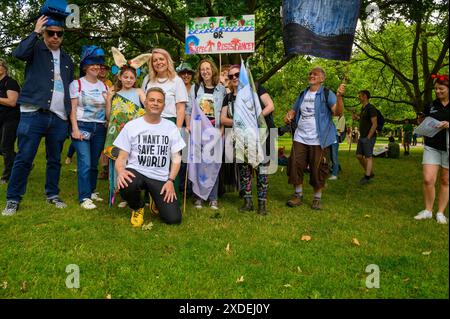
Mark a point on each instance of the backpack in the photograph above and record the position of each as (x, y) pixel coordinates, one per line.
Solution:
(380, 121)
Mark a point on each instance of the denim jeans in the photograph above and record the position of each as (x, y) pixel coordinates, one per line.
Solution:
(88, 154)
(334, 158)
(32, 127)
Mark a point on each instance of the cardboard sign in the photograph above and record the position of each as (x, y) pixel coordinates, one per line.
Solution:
(214, 35)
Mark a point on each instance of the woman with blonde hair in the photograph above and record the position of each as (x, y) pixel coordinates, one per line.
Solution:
(162, 74)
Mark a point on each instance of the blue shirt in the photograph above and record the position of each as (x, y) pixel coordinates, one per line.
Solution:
(323, 116)
(37, 89)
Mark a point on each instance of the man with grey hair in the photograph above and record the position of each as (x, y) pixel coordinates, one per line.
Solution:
(9, 119)
(312, 116)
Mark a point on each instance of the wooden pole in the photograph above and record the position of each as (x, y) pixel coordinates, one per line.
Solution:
(185, 191)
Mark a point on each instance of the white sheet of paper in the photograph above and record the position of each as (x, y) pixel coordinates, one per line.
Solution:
(428, 127)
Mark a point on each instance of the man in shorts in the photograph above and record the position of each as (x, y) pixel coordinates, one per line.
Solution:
(368, 135)
(315, 133)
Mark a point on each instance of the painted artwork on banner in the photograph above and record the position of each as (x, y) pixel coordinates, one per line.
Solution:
(322, 28)
(214, 35)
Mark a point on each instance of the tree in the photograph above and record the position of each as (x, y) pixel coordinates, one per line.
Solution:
(411, 44)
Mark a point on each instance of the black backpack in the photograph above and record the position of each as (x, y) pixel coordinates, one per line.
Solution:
(380, 121)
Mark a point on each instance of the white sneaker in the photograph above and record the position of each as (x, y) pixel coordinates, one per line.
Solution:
(87, 204)
(441, 219)
(333, 177)
(122, 204)
(94, 196)
(198, 203)
(423, 215)
(214, 204)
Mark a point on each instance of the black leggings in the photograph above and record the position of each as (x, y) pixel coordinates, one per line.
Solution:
(170, 213)
(9, 121)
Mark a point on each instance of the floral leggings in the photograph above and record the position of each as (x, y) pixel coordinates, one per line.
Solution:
(245, 173)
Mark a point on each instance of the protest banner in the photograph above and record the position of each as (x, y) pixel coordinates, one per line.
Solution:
(216, 35)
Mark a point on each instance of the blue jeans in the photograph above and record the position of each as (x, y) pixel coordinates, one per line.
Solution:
(334, 158)
(88, 154)
(32, 127)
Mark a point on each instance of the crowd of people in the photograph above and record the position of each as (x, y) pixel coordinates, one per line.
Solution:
(137, 133)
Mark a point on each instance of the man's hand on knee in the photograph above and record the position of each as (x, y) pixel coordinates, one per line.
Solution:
(168, 191)
(124, 177)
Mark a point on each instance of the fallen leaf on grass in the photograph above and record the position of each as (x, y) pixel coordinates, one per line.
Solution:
(306, 238)
(149, 226)
(227, 249)
(5, 285)
(355, 241)
(426, 253)
(367, 216)
(23, 286)
(406, 280)
(287, 286)
(240, 279)
(299, 269)
(108, 296)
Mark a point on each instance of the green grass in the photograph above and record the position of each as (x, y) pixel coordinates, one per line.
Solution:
(191, 261)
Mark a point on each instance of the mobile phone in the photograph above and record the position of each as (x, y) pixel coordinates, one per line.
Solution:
(86, 135)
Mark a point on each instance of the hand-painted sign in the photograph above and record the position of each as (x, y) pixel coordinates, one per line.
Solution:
(213, 35)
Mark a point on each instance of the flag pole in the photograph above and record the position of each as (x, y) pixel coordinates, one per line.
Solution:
(185, 190)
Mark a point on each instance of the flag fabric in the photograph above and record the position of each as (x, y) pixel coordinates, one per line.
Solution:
(205, 153)
(249, 125)
(322, 28)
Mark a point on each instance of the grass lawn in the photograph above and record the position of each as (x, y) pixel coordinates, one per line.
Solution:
(191, 260)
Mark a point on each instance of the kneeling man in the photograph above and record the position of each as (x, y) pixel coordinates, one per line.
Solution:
(149, 146)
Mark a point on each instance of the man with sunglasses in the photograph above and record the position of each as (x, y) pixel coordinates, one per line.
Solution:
(45, 109)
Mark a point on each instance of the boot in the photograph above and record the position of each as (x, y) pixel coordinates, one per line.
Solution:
(248, 205)
(262, 207)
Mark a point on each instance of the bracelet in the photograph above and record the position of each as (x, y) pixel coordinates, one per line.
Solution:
(171, 180)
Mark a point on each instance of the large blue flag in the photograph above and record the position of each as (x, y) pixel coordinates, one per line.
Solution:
(322, 28)
(205, 153)
(249, 125)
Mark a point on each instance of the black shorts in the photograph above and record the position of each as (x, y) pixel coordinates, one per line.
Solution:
(365, 146)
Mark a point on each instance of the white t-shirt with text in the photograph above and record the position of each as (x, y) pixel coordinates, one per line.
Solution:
(306, 132)
(150, 146)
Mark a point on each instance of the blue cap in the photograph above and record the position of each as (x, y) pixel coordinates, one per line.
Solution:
(91, 54)
(56, 11)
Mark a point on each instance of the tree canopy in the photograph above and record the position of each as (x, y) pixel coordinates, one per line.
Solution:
(394, 58)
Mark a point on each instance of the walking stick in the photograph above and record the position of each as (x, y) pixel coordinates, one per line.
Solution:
(185, 191)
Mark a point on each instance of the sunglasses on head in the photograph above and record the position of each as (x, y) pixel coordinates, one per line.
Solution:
(235, 75)
(52, 33)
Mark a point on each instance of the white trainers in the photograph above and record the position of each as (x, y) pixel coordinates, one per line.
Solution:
(423, 215)
(333, 177)
(87, 204)
(94, 196)
(122, 204)
(441, 219)
(214, 204)
(198, 203)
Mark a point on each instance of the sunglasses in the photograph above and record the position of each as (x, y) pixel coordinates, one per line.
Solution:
(235, 75)
(52, 33)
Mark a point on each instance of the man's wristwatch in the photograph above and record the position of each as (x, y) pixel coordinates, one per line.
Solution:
(171, 180)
